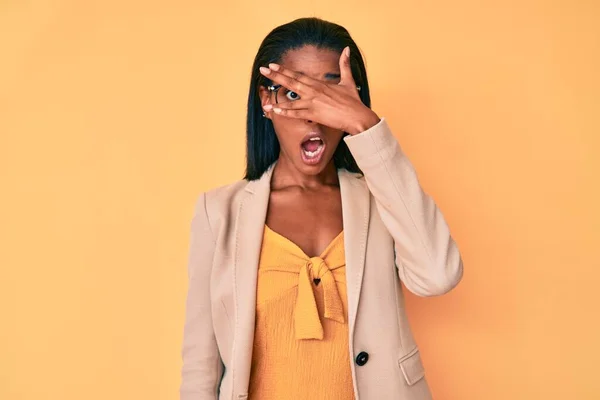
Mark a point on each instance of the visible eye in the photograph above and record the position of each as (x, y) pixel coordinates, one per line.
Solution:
(292, 95)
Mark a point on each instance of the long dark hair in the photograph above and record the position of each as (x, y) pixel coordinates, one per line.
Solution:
(262, 147)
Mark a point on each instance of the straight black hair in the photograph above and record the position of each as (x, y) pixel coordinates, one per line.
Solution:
(262, 146)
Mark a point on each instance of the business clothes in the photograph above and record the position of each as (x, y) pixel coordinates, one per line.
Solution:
(393, 232)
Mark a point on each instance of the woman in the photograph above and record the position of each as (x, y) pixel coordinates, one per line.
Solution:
(295, 271)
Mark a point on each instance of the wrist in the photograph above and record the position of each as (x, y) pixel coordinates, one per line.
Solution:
(367, 121)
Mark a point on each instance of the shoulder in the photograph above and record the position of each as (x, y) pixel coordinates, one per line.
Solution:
(212, 200)
(226, 193)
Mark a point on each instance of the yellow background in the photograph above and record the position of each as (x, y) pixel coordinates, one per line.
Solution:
(114, 115)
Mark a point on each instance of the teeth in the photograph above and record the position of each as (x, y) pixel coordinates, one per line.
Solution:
(314, 138)
(311, 154)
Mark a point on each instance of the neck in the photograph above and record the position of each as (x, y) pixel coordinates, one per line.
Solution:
(285, 175)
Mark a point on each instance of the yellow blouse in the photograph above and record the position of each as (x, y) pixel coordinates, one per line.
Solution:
(301, 334)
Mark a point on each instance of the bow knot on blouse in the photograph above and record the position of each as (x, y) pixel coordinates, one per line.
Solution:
(312, 276)
(306, 314)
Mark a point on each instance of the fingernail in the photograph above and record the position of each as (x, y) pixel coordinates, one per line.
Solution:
(277, 110)
(274, 67)
(347, 51)
(268, 106)
(265, 70)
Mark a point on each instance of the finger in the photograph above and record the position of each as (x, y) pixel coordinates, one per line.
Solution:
(291, 80)
(300, 77)
(346, 78)
(292, 105)
(302, 113)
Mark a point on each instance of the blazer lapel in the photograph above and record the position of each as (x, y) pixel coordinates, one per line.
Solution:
(249, 227)
(355, 214)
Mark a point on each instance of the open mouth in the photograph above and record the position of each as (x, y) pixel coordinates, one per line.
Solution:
(312, 150)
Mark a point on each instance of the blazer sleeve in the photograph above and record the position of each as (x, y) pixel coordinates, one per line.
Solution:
(202, 366)
(427, 258)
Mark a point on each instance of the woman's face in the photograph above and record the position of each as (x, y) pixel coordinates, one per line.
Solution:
(305, 145)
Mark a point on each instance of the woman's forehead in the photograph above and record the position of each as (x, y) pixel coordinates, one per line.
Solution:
(314, 62)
